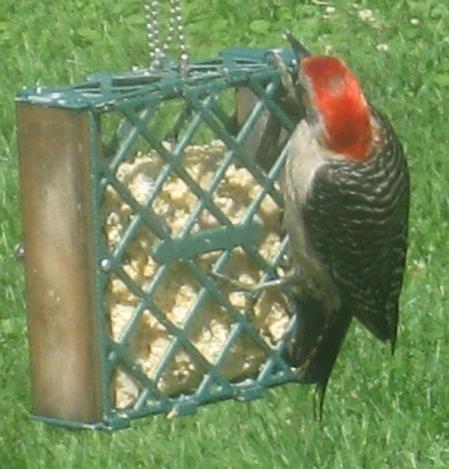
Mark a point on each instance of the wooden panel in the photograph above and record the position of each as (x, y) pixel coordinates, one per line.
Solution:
(54, 150)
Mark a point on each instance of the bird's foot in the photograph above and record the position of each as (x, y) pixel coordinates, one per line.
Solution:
(258, 287)
(285, 73)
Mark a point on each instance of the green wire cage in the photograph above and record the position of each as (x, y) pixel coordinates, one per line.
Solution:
(137, 189)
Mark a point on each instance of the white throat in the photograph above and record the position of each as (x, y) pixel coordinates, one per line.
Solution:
(305, 156)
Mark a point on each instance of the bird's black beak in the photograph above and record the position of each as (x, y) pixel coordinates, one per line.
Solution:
(298, 48)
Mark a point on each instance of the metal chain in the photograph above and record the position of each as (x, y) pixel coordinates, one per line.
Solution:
(158, 50)
(176, 26)
(152, 13)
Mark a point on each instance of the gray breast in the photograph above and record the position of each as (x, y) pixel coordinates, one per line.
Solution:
(305, 157)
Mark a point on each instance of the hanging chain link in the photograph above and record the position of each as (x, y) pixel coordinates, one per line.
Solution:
(158, 49)
(152, 13)
(176, 27)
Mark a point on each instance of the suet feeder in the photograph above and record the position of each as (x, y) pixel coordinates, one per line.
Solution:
(136, 189)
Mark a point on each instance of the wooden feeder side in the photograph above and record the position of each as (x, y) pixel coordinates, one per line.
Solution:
(55, 174)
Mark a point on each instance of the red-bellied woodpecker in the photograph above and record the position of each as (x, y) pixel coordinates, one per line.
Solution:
(346, 190)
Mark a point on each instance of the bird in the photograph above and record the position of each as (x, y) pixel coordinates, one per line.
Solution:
(346, 190)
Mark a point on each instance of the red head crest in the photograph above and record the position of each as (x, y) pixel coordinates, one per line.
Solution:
(336, 95)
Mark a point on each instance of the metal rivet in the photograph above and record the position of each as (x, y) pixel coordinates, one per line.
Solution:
(106, 265)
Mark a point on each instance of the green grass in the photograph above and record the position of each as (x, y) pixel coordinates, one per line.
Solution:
(380, 412)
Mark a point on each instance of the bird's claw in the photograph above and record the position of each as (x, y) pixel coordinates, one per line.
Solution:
(258, 287)
(236, 284)
(285, 74)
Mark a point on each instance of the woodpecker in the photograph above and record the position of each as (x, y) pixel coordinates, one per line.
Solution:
(346, 191)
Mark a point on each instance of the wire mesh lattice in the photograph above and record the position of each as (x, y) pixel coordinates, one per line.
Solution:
(180, 193)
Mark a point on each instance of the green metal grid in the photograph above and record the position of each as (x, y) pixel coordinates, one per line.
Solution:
(137, 100)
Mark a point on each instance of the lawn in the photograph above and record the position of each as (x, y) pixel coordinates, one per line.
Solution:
(380, 411)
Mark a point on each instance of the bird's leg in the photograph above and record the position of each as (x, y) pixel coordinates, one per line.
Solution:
(288, 279)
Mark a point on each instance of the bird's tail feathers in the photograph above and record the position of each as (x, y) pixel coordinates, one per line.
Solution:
(314, 348)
